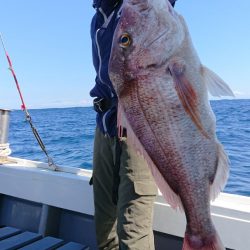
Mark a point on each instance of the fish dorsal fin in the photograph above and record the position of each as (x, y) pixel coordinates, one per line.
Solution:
(216, 86)
(186, 93)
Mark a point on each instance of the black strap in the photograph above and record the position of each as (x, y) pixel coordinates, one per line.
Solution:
(116, 176)
(91, 181)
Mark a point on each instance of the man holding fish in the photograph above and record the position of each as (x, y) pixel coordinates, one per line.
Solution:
(144, 58)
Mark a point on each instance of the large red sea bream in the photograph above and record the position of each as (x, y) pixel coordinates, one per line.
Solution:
(163, 103)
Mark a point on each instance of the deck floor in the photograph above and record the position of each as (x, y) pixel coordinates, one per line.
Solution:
(12, 238)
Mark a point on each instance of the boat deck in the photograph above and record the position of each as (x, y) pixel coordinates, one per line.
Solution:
(12, 238)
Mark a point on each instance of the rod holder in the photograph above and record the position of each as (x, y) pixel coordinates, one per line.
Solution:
(4, 132)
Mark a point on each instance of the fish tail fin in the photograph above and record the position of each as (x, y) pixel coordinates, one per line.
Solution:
(197, 242)
(221, 174)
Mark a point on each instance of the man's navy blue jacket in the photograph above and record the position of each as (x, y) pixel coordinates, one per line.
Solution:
(102, 30)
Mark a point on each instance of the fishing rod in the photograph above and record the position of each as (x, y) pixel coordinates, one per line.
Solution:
(23, 107)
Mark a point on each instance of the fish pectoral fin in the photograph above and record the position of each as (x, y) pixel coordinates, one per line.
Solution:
(216, 86)
(186, 93)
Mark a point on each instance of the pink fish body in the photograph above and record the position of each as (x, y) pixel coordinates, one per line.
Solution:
(163, 103)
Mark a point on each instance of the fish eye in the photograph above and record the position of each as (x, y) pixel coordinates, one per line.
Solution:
(125, 40)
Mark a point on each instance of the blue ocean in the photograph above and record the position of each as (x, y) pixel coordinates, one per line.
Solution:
(68, 135)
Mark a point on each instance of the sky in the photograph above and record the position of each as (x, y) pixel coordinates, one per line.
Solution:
(49, 44)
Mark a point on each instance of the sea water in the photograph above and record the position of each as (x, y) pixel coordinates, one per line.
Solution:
(68, 135)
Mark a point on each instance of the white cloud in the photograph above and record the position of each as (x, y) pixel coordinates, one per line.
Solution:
(241, 95)
(238, 95)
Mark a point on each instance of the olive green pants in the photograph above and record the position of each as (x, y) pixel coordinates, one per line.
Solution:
(127, 225)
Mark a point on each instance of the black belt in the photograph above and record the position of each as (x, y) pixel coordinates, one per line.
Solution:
(102, 105)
